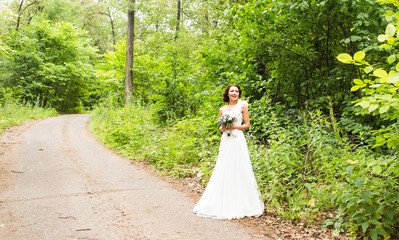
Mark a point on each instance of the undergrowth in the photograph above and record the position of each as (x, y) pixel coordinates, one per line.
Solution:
(307, 171)
(13, 112)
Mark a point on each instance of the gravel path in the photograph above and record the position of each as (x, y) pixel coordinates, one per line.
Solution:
(59, 182)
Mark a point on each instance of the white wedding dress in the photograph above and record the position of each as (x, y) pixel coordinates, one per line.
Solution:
(232, 191)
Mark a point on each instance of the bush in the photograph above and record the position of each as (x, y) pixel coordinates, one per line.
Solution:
(175, 149)
(13, 112)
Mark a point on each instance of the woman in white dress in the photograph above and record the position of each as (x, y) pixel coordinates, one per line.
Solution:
(232, 191)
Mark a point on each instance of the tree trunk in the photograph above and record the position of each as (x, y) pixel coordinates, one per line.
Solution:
(111, 20)
(19, 14)
(178, 17)
(129, 55)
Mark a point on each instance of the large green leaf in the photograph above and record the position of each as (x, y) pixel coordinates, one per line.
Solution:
(380, 73)
(391, 213)
(344, 57)
(385, 46)
(358, 182)
(390, 30)
(355, 88)
(368, 69)
(349, 170)
(359, 56)
(393, 78)
(373, 234)
(366, 195)
(363, 104)
(384, 109)
(372, 107)
(358, 81)
(391, 59)
(382, 37)
(365, 225)
(377, 169)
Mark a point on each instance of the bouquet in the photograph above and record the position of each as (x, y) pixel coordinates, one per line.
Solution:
(227, 121)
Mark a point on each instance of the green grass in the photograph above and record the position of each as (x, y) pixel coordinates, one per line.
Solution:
(13, 113)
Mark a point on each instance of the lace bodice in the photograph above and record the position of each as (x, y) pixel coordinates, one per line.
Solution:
(236, 111)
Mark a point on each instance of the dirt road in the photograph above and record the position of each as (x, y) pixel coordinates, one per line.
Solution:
(59, 182)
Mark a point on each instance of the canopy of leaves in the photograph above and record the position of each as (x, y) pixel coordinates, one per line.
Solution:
(49, 62)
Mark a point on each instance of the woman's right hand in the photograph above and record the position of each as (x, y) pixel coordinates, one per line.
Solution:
(222, 128)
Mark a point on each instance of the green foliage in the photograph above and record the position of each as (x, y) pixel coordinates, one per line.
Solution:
(373, 202)
(380, 93)
(13, 112)
(369, 202)
(176, 149)
(286, 49)
(50, 62)
(304, 173)
(309, 146)
(110, 73)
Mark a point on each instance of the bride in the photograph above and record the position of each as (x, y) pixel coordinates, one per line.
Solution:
(232, 191)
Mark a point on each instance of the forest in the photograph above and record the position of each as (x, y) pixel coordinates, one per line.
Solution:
(321, 78)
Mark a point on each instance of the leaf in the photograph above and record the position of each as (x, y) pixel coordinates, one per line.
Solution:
(344, 57)
(377, 85)
(365, 225)
(390, 30)
(363, 104)
(385, 46)
(391, 213)
(358, 81)
(393, 78)
(382, 37)
(384, 109)
(368, 69)
(386, 97)
(349, 170)
(373, 234)
(359, 56)
(377, 169)
(373, 107)
(397, 67)
(358, 182)
(355, 88)
(366, 195)
(380, 73)
(391, 59)
(381, 231)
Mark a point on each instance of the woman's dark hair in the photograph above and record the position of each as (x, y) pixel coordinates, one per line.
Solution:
(226, 92)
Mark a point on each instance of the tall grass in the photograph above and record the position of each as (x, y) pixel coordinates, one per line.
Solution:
(177, 150)
(14, 113)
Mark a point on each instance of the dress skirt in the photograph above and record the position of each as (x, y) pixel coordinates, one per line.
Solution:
(232, 191)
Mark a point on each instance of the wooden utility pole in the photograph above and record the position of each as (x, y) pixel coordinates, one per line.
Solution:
(129, 54)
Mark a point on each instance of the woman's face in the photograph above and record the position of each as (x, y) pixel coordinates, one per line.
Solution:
(234, 94)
